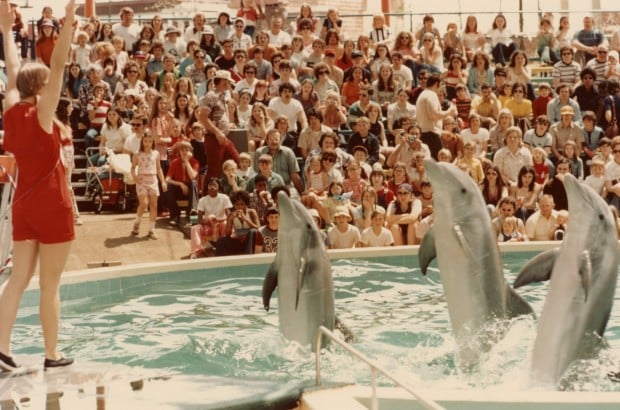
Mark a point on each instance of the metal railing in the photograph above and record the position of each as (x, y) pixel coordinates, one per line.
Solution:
(374, 368)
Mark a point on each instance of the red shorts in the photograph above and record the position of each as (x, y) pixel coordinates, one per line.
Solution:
(48, 227)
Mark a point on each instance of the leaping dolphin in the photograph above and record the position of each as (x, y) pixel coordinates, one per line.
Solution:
(470, 266)
(302, 272)
(583, 273)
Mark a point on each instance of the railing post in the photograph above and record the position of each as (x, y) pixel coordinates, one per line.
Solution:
(374, 402)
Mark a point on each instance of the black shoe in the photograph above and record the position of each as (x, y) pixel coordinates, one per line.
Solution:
(62, 362)
(7, 364)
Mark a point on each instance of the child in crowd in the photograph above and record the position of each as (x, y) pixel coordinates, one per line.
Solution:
(97, 113)
(541, 166)
(197, 139)
(267, 238)
(355, 182)
(539, 105)
(245, 169)
(317, 182)
(384, 194)
(471, 162)
(335, 198)
(462, 101)
(343, 235)
(213, 210)
(596, 179)
(230, 182)
(426, 198)
(509, 231)
(576, 163)
(82, 53)
(613, 67)
(380, 33)
(145, 170)
(560, 225)
(360, 153)
(377, 234)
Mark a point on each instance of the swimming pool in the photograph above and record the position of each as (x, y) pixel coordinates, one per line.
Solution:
(206, 318)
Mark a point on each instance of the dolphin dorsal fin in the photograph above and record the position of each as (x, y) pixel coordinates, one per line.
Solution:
(427, 251)
(585, 271)
(538, 268)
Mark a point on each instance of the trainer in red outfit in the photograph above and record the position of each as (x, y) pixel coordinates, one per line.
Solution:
(42, 215)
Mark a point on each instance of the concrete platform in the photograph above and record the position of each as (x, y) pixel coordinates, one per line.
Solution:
(106, 238)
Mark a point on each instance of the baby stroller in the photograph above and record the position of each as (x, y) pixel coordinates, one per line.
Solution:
(108, 182)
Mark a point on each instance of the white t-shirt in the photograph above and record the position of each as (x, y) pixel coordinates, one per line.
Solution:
(344, 240)
(290, 110)
(384, 238)
(480, 139)
(427, 105)
(128, 34)
(215, 206)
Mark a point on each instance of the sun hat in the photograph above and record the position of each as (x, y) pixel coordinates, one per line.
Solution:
(223, 74)
(172, 29)
(341, 210)
(567, 110)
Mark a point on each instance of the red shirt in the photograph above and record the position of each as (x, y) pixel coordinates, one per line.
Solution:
(178, 172)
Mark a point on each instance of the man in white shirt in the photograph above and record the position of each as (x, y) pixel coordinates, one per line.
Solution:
(541, 224)
(286, 105)
(127, 29)
(277, 36)
(429, 114)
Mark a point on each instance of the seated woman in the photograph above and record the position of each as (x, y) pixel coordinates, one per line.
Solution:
(241, 226)
(403, 214)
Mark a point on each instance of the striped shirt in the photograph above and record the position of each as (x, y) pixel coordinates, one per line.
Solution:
(566, 73)
(599, 67)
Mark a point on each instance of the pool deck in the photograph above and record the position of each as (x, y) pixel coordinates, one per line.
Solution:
(106, 238)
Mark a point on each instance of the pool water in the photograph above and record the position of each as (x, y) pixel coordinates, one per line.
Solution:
(213, 323)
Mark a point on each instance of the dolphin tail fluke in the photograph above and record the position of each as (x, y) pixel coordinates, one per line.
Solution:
(427, 251)
(269, 285)
(538, 269)
(349, 337)
(516, 305)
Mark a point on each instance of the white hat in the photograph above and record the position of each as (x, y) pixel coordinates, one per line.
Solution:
(172, 29)
(224, 74)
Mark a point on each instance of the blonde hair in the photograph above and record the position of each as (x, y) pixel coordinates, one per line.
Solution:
(31, 78)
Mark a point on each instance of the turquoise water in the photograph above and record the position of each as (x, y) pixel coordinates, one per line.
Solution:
(212, 322)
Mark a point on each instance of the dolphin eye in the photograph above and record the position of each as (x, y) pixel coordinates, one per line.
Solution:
(601, 216)
(463, 190)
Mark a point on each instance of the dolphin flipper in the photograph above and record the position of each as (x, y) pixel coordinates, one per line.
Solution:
(538, 269)
(516, 305)
(269, 285)
(427, 251)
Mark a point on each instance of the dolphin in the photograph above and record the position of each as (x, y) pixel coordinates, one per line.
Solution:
(302, 272)
(583, 274)
(470, 266)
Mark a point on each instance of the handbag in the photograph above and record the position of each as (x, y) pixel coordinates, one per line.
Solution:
(612, 128)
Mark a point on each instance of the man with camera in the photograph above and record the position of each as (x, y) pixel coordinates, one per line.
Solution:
(408, 143)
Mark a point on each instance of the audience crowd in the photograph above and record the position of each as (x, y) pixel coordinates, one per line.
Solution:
(343, 121)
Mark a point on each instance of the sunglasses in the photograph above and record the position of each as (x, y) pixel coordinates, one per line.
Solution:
(428, 40)
(518, 91)
(199, 57)
(135, 125)
(264, 161)
(132, 72)
(328, 159)
(250, 72)
(616, 151)
(363, 95)
(323, 72)
(403, 192)
(567, 54)
(602, 51)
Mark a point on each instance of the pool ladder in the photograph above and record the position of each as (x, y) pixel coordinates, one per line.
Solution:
(374, 368)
